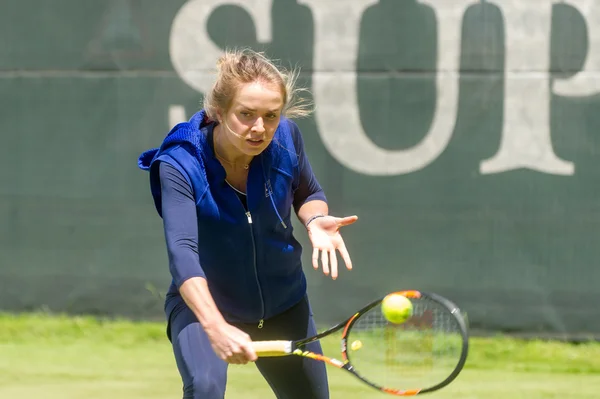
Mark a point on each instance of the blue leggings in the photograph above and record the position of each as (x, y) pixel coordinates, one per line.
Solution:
(204, 375)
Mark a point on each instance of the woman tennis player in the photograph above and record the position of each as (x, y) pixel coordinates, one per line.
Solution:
(225, 184)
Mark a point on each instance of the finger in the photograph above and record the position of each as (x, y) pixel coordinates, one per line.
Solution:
(241, 359)
(345, 221)
(234, 360)
(325, 261)
(315, 258)
(245, 351)
(226, 355)
(334, 263)
(345, 255)
(249, 353)
(237, 355)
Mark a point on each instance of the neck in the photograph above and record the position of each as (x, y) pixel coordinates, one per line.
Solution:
(226, 152)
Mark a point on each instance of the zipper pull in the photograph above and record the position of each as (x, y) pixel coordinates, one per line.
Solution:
(260, 323)
(249, 217)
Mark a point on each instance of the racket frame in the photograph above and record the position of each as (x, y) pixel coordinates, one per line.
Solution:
(286, 348)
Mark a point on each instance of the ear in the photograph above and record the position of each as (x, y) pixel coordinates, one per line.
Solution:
(219, 115)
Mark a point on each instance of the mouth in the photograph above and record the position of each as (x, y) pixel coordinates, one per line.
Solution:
(255, 142)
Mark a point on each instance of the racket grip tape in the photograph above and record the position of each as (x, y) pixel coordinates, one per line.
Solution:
(272, 348)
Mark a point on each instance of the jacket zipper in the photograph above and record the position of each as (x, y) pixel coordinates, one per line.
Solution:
(249, 216)
(262, 302)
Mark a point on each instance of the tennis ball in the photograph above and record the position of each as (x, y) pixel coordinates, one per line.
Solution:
(396, 308)
(356, 345)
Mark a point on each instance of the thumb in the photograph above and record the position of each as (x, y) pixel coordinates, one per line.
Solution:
(249, 351)
(345, 221)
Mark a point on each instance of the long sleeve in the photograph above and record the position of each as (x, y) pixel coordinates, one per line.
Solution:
(180, 225)
(309, 188)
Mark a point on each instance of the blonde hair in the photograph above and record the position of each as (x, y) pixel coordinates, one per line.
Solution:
(240, 66)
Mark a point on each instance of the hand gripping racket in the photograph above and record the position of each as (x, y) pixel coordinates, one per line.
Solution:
(421, 355)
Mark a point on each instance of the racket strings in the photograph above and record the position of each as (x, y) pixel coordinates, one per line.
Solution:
(419, 353)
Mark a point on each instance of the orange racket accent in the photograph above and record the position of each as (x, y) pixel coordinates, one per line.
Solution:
(344, 333)
(316, 356)
(348, 324)
(409, 294)
(409, 392)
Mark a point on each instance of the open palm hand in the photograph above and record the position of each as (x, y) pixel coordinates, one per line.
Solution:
(324, 234)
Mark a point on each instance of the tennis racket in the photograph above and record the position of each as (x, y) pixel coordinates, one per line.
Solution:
(421, 355)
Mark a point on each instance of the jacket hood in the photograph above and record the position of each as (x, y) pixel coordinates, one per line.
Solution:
(186, 134)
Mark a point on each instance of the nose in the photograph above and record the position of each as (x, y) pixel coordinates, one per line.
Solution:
(259, 125)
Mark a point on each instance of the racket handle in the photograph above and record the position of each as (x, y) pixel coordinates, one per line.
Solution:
(272, 348)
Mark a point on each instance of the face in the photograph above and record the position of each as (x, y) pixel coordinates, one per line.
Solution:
(253, 117)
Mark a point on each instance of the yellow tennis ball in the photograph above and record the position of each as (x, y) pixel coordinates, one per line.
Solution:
(396, 308)
(356, 345)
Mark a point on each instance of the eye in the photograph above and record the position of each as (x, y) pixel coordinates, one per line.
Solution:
(245, 113)
(271, 116)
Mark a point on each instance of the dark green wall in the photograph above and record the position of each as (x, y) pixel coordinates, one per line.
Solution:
(85, 86)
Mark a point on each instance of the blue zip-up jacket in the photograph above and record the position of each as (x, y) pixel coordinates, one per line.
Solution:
(250, 259)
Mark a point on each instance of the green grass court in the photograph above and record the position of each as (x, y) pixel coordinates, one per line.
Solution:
(57, 357)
